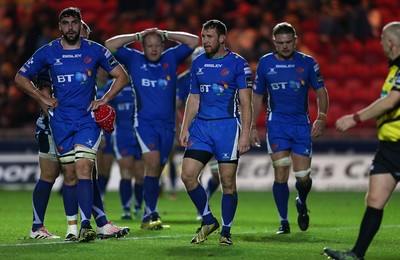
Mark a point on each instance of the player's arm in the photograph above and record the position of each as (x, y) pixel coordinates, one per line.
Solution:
(245, 96)
(45, 88)
(29, 88)
(191, 109)
(323, 104)
(257, 105)
(376, 109)
(188, 39)
(116, 42)
(121, 80)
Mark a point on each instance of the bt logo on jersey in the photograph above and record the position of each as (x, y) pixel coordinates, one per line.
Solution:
(64, 78)
(162, 83)
(278, 85)
(205, 88)
(284, 85)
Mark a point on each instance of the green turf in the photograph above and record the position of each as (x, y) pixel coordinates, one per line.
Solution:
(335, 218)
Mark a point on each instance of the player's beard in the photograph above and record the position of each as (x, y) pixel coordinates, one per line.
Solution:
(213, 50)
(71, 40)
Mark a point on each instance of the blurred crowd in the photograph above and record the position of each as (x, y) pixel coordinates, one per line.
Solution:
(323, 26)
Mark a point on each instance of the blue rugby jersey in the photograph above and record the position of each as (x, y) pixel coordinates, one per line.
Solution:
(218, 81)
(183, 86)
(154, 82)
(73, 74)
(287, 83)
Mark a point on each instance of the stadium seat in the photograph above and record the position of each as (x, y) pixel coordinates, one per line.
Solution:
(353, 48)
(335, 111)
(373, 52)
(379, 70)
(394, 5)
(334, 71)
(375, 86)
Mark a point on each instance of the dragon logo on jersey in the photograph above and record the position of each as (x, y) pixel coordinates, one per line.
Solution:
(224, 72)
(87, 60)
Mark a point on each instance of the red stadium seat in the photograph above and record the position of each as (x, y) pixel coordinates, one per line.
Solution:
(334, 71)
(353, 48)
(379, 70)
(373, 52)
(335, 111)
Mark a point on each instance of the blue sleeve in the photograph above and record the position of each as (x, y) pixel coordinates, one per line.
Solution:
(244, 76)
(35, 64)
(260, 82)
(316, 77)
(124, 55)
(181, 52)
(107, 61)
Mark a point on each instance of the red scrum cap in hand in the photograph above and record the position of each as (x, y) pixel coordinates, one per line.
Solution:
(105, 118)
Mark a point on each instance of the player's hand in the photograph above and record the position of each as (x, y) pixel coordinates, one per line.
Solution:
(50, 102)
(94, 105)
(243, 145)
(254, 138)
(318, 128)
(345, 122)
(184, 137)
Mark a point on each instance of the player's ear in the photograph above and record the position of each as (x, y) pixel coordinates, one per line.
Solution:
(222, 38)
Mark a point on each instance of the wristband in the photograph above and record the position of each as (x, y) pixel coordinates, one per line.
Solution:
(356, 117)
(321, 114)
(164, 35)
(138, 37)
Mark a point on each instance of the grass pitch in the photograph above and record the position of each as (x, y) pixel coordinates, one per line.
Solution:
(335, 219)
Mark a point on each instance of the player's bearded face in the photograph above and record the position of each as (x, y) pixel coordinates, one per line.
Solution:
(70, 28)
(211, 42)
(285, 45)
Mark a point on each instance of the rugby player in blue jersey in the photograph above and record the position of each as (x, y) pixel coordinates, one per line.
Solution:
(182, 94)
(153, 73)
(122, 144)
(50, 168)
(213, 126)
(72, 63)
(287, 75)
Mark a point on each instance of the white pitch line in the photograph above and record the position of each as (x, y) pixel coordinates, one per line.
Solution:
(180, 236)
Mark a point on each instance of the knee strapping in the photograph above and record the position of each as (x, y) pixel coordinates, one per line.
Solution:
(213, 165)
(285, 161)
(82, 152)
(50, 156)
(302, 173)
(68, 157)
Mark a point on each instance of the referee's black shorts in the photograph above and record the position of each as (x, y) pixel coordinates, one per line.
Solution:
(387, 159)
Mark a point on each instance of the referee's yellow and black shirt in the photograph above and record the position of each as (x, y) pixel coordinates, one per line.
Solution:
(389, 124)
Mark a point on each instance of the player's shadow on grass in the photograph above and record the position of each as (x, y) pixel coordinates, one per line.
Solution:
(209, 248)
(185, 222)
(287, 238)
